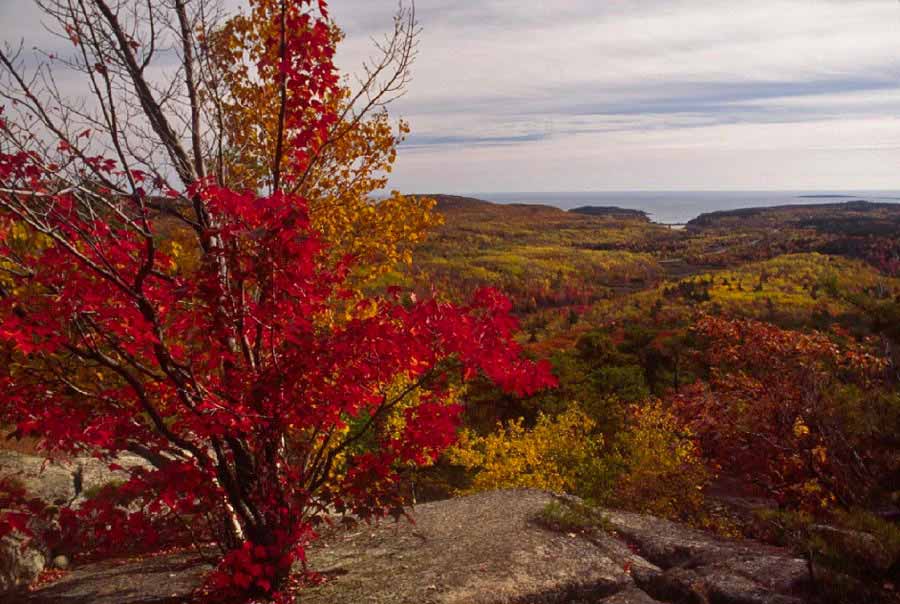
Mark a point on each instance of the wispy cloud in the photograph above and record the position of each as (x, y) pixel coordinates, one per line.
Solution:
(777, 86)
(418, 141)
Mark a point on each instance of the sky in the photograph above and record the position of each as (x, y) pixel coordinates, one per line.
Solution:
(531, 95)
(579, 95)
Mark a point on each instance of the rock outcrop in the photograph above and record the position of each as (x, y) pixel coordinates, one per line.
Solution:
(491, 548)
(703, 568)
(484, 549)
(21, 561)
(62, 482)
(495, 548)
(55, 483)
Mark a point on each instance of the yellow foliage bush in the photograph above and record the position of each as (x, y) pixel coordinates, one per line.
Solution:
(555, 455)
(662, 471)
(652, 466)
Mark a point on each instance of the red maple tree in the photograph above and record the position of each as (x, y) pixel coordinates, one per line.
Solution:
(256, 411)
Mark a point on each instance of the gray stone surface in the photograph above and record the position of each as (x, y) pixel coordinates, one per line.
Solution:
(62, 482)
(489, 548)
(167, 579)
(55, 483)
(20, 563)
(483, 549)
(699, 567)
(50, 482)
(630, 595)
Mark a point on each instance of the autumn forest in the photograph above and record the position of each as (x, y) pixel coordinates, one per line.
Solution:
(740, 374)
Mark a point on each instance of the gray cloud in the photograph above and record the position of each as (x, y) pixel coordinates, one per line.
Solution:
(559, 94)
(416, 140)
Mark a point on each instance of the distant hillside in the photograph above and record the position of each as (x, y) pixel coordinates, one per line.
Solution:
(452, 202)
(611, 211)
(457, 205)
(847, 218)
(538, 255)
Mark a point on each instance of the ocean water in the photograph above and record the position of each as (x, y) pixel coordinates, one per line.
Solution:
(678, 207)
